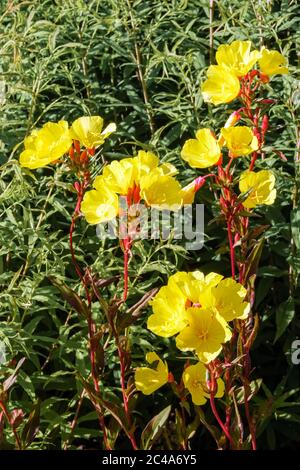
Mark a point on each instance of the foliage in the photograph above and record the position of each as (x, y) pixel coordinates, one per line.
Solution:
(140, 64)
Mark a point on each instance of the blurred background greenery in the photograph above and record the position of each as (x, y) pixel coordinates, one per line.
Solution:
(138, 63)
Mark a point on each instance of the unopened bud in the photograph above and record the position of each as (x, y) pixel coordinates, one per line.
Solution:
(198, 183)
(171, 377)
(264, 124)
(84, 157)
(91, 151)
(264, 78)
(71, 153)
(267, 101)
(77, 186)
(77, 146)
(233, 118)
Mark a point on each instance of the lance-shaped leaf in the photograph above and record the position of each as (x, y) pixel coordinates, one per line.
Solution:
(284, 315)
(71, 297)
(32, 425)
(253, 259)
(11, 380)
(154, 428)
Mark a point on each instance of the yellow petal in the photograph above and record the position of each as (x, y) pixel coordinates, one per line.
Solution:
(203, 151)
(221, 86)
(169, 315)
(148, 380)
(237, 57)
(205, 334)
(161, 192)
(46, 145)
(99, 205)
(272, 63)
(88, 130)
(119, 176)
(260, 186)
(194, 379)
(229, 298)
(240, 140)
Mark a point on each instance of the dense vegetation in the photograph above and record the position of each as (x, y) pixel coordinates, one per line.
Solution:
(139, 64)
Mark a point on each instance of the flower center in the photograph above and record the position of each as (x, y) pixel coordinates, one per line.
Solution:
(203, 335)
(197, 383)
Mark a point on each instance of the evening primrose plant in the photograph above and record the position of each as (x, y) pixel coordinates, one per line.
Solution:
(206, 317)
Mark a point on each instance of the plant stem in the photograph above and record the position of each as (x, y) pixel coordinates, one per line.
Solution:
(216, 414)
(9, 420)
(231, 247)
(125, 273)
(211, 31)
(81, 187)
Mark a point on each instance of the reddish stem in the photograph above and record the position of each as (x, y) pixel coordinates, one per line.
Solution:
(9, 420)
(80, 188)
(231, 247)
(126, 250)
(214, 409)
(253, 160)
(249, 419)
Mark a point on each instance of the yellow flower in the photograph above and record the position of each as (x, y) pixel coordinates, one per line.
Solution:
(161, 191)
(203, 151)
(221, 86)
(144, 162)
(46, 145)
(188, 193)
(261, 187)
(240, 140)
(88, 130)
(205, 333)
(193, 284)
(272, 63)
(100, 205)
(119, 176)
(149, 380)
(228, 298)
(138, 178)
(184, 290)
(169, 315)
(237, 57)
(194, 379)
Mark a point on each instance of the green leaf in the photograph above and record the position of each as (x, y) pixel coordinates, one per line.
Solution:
(154, 428)
(295, 226)
(284, 315)
(253, 259)
(71, 297)
(32, 425)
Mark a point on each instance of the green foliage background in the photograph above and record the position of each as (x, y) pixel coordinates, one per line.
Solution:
(138, 63)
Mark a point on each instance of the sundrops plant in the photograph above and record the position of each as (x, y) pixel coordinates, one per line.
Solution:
(196, 324)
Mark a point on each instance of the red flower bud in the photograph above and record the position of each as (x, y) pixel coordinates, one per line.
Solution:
(264, 78)
(71, 153)
(84, 157)
(77, 186)
(77, 145)
(264, 124)
(267, 101)
(91, 151)
(198, 183)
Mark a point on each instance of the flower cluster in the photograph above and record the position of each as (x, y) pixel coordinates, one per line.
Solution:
(235, 61)
(194, 308)
(55, 139)
(137, 179)
(197, 309)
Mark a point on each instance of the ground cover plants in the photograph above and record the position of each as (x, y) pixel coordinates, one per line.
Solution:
(131, 341)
